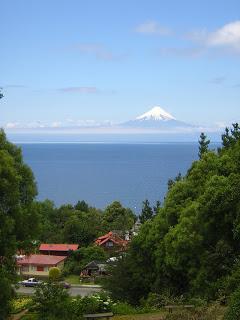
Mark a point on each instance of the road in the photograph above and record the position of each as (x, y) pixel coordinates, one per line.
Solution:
(73, 291)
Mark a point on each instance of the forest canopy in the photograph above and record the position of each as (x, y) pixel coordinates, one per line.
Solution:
(191, 247)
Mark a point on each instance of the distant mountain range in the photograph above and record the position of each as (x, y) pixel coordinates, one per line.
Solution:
(156, 118)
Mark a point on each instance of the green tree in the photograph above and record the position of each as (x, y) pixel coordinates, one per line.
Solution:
(79, 258)
(82, 227)
(147, 212)
(52, 301)
(191, 247)
(1, 94)
(203, 145)
(231, 135)
(54, 274)
(82, 206)
(19, 219)
(116, 217)
(157, 207)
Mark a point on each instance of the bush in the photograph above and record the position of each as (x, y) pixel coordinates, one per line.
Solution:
(96, 303)
(52, 301)
(213, 312)
(54, 273)
(157, 300)
(123, 308)
(20, 304)
(233, 310)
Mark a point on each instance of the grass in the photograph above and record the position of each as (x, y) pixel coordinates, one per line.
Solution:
(29, 316)
(145, 316)
(72, 279)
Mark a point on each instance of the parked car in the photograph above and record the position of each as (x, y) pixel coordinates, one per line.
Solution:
(31, 282)
(65, 285)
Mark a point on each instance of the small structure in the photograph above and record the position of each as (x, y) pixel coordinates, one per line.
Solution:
(136, 227)
(94, 268)
(112, 242)
(39, 264)
(57, 249)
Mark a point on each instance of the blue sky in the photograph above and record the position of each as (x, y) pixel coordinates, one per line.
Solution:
(67, 62)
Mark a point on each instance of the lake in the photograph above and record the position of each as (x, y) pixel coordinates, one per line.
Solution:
(100, 173)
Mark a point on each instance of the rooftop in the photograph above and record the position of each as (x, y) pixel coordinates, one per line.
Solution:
(40, 259)
(58, 247)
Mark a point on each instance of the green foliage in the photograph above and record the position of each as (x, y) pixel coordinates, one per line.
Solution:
(203, 145)
(19, 219)
(52, 301)
(97, 303)
(20, 303)
(147, 212)
(54, 274)
(6, 294)
(123, 308)
(116, 217)
(231, 136)
(1, 94)
(82, 206)
(80, 224)
(233, 310)
(191, 247)
(79, 258)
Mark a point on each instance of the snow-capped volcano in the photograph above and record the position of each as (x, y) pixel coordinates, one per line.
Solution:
(156, 118)
(156, 113)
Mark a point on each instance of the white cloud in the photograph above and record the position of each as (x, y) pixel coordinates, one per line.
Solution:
(152, 28)
(11, 125)
(226, 37)
(56, 124)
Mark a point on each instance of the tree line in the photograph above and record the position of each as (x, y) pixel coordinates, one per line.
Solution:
(191, 246)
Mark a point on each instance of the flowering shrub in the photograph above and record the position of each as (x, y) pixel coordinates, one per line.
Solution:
(96, 303)
(20, 304)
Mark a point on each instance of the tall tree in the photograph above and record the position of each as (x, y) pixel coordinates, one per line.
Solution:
(116, 217)
(231, 136)
(18, 218)
(147, 212)
(203, 145)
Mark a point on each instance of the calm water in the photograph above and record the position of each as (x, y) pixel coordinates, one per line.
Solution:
(102, 173)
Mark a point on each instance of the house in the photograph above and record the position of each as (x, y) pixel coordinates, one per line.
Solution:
(57, 249)
(112, 241)
(94, 268)
(38, 264)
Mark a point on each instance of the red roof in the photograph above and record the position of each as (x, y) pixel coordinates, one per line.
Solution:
(58, 247)
(41, 259)
(110, 236)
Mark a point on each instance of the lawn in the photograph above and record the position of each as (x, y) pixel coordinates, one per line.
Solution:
(146, 316)
(72, 279)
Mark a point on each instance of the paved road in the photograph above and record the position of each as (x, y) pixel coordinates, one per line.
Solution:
(73, 291)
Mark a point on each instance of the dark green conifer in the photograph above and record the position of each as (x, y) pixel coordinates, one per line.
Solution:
(203, 145)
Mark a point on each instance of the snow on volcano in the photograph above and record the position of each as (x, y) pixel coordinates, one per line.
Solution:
(156, 118)
(156, 113)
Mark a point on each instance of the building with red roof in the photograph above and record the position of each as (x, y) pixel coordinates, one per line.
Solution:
(39, 264)
(57, 249)
(112, 241)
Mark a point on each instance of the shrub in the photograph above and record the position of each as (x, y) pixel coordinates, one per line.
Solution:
(123, 308)
(158, 300)
(54, 274)
(20, 304)
(233, 310)
(52, 301)
(96, 303)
